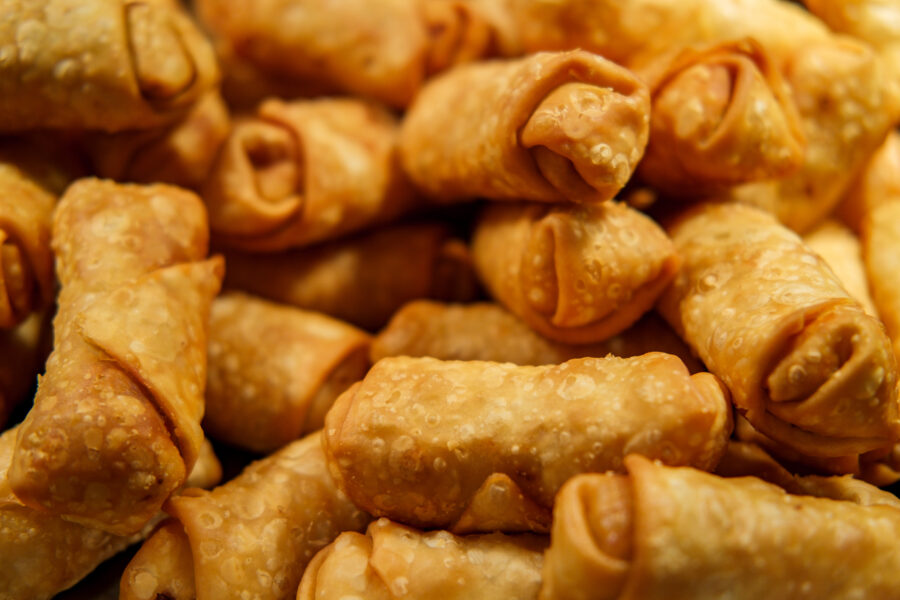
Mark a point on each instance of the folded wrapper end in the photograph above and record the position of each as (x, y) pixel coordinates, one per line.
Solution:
(162, 568)
(457, 33)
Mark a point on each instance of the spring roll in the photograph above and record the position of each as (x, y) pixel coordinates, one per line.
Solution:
(115, 426)
(878, 183)
(392, 561)
(361, 280)
(478, 446)
(486, 331)
(804, 363)
(303, 172)
(842, 252)
(274, 371)
(721, 115)
(576, 274)
(457, 33)
(181, 154)
(43, 554)
(663, 532)
(881, 249)
(109, 65)
(251, 537)
(573, 127)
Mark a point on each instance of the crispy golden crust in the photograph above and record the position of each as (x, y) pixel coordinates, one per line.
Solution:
(576, 274)
(878, 183)
(881, 250)
(304, 172)
(102, 64)
(275, 370)
(475, 446)
(392, 561)
(116, 422)
(842, 252)
(573, 128)
(22, 353)
(804, 363)
(457, 33)
(254, 534)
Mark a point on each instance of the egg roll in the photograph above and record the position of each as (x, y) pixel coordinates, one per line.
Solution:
(274, 371)
(577, 274)
(474, 446)
(43, 554)
(572, 128)
(361, 280)
(108, 65)
(115, 426)
(804, 363)
(392, 561)
(721, 115)
(842, 252)
(251, 537)
(487, 331)
(303, 172)
(457, 33)
(181, 154)
(881, 250)
(677, 532)
(878, 183)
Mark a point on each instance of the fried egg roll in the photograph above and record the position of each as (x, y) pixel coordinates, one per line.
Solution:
(842, 252)
(303, 172)
(457, 33)
(878, 183)
(392, 561)
(881, 249)
(577, 274)
(251, 537)
(274, 370)
(486, 331)
(664, 532)
(361, 280)
(479, 446)
(804, 363)
(22, 353)
(109, 65)
(115, 426)
(573, 127)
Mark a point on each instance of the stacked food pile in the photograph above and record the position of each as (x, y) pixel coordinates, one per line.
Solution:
(576, 299)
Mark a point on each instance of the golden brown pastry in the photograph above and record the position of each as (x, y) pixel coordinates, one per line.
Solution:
(480, 446)
(881, 250)
(252, 536)
(115, 426)
(457, 33)
(842, 252)
(99, 64)
(392, 561)
(577, 274)
(573, 127)
(805, 364)
(362, 280)
(303, 172)
(274, 370)
(486, 331)
(664, 532)
(22, 353)
(878, 183)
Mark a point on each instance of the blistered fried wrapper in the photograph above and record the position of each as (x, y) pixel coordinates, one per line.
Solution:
(275, 370)
(99, 64)
(673, 533)
(881, 249)
(115, 426)
(805, 364)
(573, 127)
(878, 183)
(842, 252)
(363, 279)
(253, 535)
(486, 331)
(577, 274)
(42, 554)
(392, 561)
(478, 446)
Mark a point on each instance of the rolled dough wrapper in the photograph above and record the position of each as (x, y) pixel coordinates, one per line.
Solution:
(722, 115)
(881, 251)
(878, 183)
(22, 353)
(573, 127)
(254, 535)
(457, 33)
(43, 554)
(362, 280)
(479, 446)
(842, 252)
(804, 363)
(392, 561)
(576, 274)
(274, 371)
(100, 64)
(304, 172)
(115, 426)
(367, 48)
(663, 532)
(486, 331)
(181, 154)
